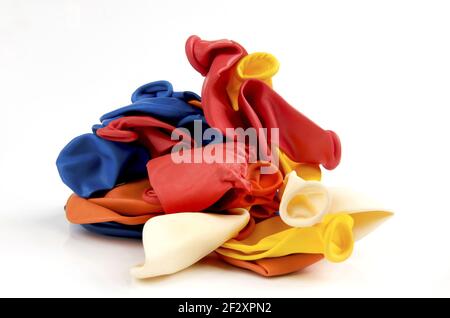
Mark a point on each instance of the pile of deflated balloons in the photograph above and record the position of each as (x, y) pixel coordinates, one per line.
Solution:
(156, 170)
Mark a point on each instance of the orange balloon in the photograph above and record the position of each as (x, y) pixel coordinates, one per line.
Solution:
(123, 204)
(275, 266)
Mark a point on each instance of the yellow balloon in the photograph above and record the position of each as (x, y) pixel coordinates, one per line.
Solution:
(304, 170)
(273, 238)
(262, 66)
(313, 219)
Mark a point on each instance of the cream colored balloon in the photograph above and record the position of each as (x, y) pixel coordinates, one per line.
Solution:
(303, 203)
(173, 242)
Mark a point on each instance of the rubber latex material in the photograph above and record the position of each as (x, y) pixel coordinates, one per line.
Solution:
(123, 204)
(89, 165)
(366, 215)
(333, 238)
(115, 229)
(216, 60)
(299, 137)
(195, 103)
(259, 106)
(158, 100)
(222, 185)
(154, 134)
(262, 66)
(135, 231)
(247, 230)
(264, 211)
(275, 266)
(304, 170)
(305, 203)
(174, 242)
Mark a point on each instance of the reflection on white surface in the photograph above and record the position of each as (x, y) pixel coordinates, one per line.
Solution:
(48, 257)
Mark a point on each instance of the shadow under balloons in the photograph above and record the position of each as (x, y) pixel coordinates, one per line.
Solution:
(108, 258)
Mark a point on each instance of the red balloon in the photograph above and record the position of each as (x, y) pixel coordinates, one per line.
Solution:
(216, 60)
(151, 132)
(259, 105)
(208, 185)
(299, 137)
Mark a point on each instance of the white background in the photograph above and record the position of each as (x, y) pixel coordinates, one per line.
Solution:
(376, 72)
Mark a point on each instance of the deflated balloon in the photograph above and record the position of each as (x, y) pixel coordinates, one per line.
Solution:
(158, 100)
(259, 106)
(123, 204)
(174, 242)
(275, 266)
(90, 165)
(332, 238)
(154, 134)
(305, 203)
(262, 66)
(210, 183)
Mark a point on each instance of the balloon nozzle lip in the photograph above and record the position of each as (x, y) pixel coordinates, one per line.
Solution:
(190, 48)
(335, 157)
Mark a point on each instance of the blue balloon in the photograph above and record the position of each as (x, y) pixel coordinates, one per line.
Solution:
(157, 99)
(90, 165)
(115, 229)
